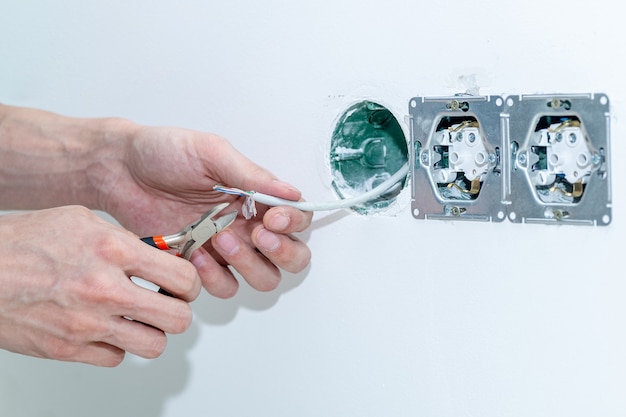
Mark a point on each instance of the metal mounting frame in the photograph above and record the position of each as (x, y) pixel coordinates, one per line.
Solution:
(427, 201)
(520, 117)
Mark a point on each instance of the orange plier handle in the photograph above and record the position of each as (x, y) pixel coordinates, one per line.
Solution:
(157, 242)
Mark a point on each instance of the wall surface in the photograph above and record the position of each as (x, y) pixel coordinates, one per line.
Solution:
(395, 316)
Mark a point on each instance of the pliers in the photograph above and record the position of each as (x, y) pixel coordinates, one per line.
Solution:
(196, 234)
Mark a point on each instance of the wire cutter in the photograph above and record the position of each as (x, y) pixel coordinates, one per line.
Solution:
(194, 235)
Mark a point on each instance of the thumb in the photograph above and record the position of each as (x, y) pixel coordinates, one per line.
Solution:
(234, 169)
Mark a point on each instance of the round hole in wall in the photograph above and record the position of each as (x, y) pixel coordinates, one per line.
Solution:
(367, 147)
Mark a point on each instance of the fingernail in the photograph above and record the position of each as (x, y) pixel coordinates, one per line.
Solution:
(227, 242)
(279, 222)
(268, 240)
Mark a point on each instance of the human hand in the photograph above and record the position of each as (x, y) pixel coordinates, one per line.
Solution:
(165, 181)
(66, 292)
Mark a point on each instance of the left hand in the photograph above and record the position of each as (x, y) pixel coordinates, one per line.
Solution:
(164, 181)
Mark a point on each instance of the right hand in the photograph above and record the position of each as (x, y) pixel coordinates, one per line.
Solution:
(65, 291)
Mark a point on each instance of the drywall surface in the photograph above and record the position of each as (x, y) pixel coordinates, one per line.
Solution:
(395, 316)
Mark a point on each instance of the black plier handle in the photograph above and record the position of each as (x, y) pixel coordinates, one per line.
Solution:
(193, 236)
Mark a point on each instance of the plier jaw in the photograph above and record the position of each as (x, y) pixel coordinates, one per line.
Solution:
(196, 234)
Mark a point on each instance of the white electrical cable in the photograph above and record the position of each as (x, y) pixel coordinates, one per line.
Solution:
(320, 206)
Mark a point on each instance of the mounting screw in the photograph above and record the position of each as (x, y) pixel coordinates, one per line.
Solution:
(556, 103)
(596, 159)
(522, 158)
(457, 211)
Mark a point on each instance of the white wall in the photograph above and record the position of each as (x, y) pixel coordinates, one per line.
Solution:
(395, 316)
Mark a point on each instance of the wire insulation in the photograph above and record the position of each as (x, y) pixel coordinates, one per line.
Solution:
(321, 206)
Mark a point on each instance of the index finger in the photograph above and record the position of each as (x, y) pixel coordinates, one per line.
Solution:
(175, 275)
(247, 175)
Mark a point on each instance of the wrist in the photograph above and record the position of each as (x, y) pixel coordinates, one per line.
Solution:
(106, 164)
(50, 160)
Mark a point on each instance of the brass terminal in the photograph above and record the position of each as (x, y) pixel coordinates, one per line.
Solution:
(474, 189)
(577, 190)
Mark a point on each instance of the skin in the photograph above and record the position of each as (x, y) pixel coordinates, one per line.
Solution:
(65, 272)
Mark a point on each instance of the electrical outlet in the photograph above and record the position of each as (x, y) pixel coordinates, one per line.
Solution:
(526, 158)
(456, 144)
(558, 159)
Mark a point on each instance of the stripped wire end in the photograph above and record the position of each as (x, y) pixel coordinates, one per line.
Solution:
(248, 208)
(232, 191)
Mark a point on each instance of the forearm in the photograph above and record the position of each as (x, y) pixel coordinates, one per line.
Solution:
(49, 160)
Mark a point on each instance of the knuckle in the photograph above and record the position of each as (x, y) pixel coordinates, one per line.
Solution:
(77, 211)
(268, 282)
(72, 336)
(227, 291)
(79, 332)
(270, 285)
(114, 359)
(189, 284)
(222, 285)
(301, 219)
(294, 258)
(109, 248)
(156, 347)
(98, 289)
(304, 220)
(299, 263)
(60, 349)
(183, 319)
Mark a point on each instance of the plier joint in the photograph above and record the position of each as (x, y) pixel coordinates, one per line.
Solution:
(196, 234)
